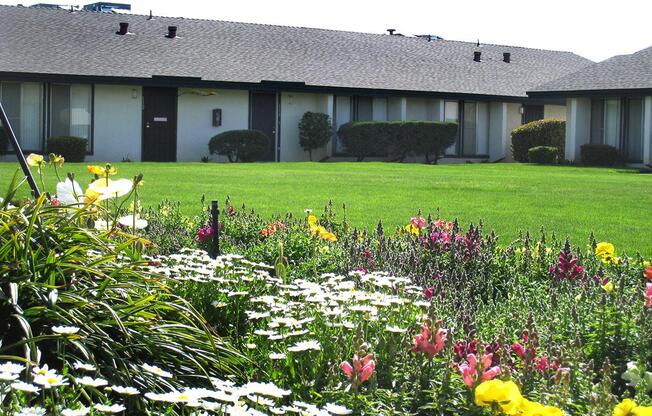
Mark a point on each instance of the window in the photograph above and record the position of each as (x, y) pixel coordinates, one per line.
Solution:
(469, 132)
(70, 110)
(634, 137)
(452, 115)
(23, 103)
(612, 122)
(363, 108)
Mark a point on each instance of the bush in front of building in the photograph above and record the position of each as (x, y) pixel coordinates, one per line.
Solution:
(315, 131)
(363, 139)
(543, 155)
(240, 145)
(73, 149)
(397, 139)
(600, 155)
(547, 132)
(4, 141)
(431, 139)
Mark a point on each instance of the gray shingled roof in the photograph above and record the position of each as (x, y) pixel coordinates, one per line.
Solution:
(622, 72)
(49, 41)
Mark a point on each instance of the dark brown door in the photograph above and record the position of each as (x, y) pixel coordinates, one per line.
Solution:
(263, 118)
(159, 124)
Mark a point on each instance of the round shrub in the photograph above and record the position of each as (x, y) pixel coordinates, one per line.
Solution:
(397, 139)
(73, 149)
(4, 141)
(545, 155)
(547, 132)
(314, 131)
(363, 139)
(600, 155)
(240, 145)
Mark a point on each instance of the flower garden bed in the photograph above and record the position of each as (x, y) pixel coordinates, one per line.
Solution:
(108, 308)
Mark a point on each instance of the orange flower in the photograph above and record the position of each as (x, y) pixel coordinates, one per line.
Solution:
(648, 273)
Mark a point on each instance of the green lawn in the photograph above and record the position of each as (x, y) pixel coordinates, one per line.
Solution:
(615, 204)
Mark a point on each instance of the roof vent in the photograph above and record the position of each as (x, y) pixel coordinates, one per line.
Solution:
(172, 32)
(124, 29)
(477, 56)
(391, 31)
(507, 57)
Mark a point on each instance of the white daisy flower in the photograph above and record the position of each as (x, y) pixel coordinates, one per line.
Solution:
(265, 389)
(30, 411)
(10, 367)
(127, 391)
(395, 329)
(90, 381)
(336, 409)
(25, 387)
(81, 366)
(157, 371)
(50, 380)
(82, 411)
(114, 408)
(5, 376)
(65, 330)
(277, 356)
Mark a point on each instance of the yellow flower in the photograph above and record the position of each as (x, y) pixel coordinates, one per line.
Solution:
(107, 170)
(504, 393)
(95, 169)
(608, 287)
(625, 408)
(57, 160)
(412, 229)
(642, 411)
(328, 236)
(529, 408)
(106, 188)
(317, 229)
(312, 220)
(35, 160)
(604, 249)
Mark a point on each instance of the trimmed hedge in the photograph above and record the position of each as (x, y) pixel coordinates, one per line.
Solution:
(73, 149)
(545, 155)
(4, 141)
(547, 132)
(240, 145)
(315, 131)
(600, 155)
(397, 139)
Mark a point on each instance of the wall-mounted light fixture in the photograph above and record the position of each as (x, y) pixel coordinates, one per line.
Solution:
(134, 93)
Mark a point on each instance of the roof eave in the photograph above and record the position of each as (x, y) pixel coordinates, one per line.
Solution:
(616, 92)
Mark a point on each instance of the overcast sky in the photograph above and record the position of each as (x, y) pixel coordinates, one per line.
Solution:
(595, 29)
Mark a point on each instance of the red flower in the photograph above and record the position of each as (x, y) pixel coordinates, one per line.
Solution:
(519, 350)
(428, 293)
(425, 343)
(648, 273)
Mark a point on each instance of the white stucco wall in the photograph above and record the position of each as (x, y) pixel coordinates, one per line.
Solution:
(578, 126)
(503, 118)
(117, 123)
(293, 106)
(195, 125)
(554, 111)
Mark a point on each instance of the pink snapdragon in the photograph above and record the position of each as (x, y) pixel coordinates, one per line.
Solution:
(361, 370)
(471, 369)
(418, 222)
(648, 295)
(431, 340)
(567, 266)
